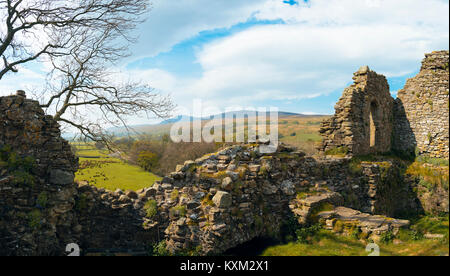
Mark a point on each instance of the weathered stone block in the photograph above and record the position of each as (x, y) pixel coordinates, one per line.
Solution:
(60, 177)
(222, 199)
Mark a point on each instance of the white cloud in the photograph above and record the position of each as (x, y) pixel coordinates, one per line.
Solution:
(29, 78)
(171, 22)
(322, 43)
(317, 51)
(365, 12)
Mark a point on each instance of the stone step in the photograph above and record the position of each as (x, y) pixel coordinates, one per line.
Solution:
(370, 224)
(304, 208)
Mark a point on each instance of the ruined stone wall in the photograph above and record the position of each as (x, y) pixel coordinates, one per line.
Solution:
(363, 120)
(230, 197)
(42, 209)
(114, 220)
(422, 109)
(207, 206)
(36, 181)
(224, 199)
(227, 198)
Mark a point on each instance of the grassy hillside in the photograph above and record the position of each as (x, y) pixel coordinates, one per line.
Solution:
(300, 131)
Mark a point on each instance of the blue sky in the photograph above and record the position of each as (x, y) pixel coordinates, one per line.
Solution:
(294, 55)
(181, 58)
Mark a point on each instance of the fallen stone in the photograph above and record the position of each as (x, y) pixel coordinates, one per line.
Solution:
(222, 199)
(227, 184)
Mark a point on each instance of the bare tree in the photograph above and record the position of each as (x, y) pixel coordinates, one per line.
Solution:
(82, 40)
(34, 28)
(84, 93)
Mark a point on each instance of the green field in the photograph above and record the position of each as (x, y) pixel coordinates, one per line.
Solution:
(102, 171)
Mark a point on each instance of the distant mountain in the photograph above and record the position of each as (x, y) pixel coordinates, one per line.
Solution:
(180, 118)
(164, 126)
(239, 115)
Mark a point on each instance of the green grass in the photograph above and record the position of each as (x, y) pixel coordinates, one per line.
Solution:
(112, 174)
(88, 150)
(339, 151)
(326, 243)
(432, 225)
(408, 243)
(430, 176)
(92, 153)
(151, 208)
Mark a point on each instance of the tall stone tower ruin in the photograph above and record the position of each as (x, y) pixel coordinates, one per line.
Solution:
(422, 109)
(368, 120)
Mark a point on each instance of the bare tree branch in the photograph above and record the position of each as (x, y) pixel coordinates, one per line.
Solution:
(82, 40)
(57, 25)
(82, 90)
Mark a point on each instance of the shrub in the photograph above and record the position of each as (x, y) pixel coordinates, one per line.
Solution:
(42, 200)
(304, 233)
(159, 249)
(221, 175)
(151, 208)
(23, 178)
(28, 163)
(169, 154)
(19, 167)
(355, 233)
(387, 237)
(416, 235)
(147, 160)
(35, 219)
(174, 194)
(339, 151)
(178, 211)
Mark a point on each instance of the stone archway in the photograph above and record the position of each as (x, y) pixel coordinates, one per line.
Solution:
(364, 117)
(374, 118)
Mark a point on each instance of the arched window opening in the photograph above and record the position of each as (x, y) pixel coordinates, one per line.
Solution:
(373, 123)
